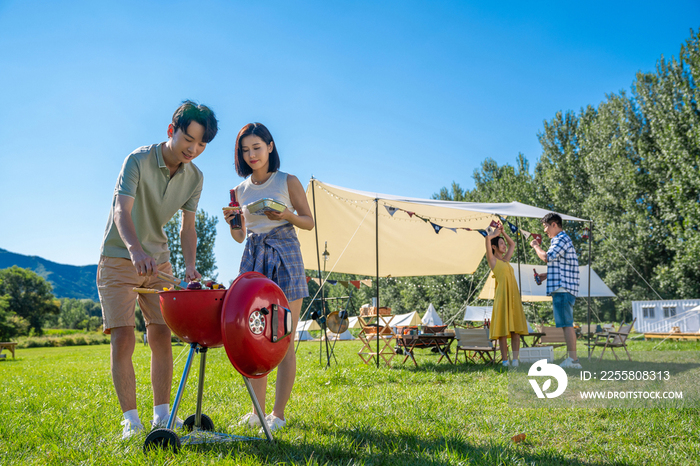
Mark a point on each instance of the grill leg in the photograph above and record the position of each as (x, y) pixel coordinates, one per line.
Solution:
(261, 415)
(200, 388)
(181, 387)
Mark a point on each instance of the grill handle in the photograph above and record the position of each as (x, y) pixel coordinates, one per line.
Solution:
(274, 323)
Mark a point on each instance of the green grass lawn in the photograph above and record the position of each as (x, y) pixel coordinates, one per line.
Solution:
(58, 407)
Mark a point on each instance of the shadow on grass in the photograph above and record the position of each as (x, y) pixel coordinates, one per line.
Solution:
(369, 446)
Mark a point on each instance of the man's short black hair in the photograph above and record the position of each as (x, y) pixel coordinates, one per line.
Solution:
(552, 218)
(190, 111)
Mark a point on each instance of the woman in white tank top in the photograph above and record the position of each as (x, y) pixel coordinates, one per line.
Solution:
(272, 247)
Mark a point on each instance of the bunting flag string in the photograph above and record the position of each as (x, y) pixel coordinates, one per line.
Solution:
(438, 227)
(343, 283)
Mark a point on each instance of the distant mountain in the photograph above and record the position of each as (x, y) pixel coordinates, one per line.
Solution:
(68, 281)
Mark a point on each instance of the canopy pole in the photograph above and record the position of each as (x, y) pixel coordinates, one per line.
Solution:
(376, 237)
(320, 279)
(517, 244)
(590, 249)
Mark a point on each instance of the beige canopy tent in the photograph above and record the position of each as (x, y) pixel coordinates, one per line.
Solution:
(532, 292)
(382, 235)
(358, 224)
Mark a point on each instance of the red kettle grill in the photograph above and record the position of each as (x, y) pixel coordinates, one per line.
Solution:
(251, 320)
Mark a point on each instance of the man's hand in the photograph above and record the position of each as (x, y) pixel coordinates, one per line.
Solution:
(144, 264)
(538, 250)
(191, 275)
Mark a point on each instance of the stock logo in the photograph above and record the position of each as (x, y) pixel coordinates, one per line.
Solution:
(543, 369)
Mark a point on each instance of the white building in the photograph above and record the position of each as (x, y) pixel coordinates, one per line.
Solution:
(661, 316)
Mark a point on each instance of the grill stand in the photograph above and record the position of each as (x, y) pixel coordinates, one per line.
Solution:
(166, 438)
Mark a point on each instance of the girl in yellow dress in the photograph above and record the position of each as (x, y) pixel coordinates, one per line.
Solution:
(507, 318)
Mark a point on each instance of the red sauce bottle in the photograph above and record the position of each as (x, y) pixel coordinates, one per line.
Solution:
(235, 222)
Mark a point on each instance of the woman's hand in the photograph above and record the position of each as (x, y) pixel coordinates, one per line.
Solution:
(230, 212)
(278, 216)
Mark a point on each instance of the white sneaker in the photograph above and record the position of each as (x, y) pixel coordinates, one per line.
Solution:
(130, 429)
(569, 363)
(273, 423)
(161, 423)
(515, 363)
(505, 364)
(250, 420)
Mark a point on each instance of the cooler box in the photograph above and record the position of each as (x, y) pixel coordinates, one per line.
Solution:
(532, 355)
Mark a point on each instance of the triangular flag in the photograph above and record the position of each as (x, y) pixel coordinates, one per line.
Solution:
(355, 283)
(366, 282)
(437, 228)
(526, 234)
(316, 281)
(483, 232)
(410, 214)
(494, 224)
(452, 229)
(537, 237)
(308, 279)
(424, 219)
(332, 282)
(513, 228)
(344, 283)
(391, 210)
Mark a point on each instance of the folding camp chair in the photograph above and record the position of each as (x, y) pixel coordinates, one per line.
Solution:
(553, 337)
(475, 342)
(613, 340)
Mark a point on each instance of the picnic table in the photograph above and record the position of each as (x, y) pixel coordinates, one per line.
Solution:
(8, 345)
(441, 341)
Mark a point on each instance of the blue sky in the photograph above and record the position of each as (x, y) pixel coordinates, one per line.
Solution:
(395, 97)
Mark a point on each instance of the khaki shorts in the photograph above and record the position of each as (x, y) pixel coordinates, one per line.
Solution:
(116, 279)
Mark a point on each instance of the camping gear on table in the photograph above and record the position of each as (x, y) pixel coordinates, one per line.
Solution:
(251, 320)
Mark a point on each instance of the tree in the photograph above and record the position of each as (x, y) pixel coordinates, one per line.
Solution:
(28, 296)
(11, 325)
(206, 236)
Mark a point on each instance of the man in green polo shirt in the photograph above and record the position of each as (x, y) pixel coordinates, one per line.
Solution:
(154, 183)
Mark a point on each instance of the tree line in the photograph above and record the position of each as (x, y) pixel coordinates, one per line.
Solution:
(629, 164)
